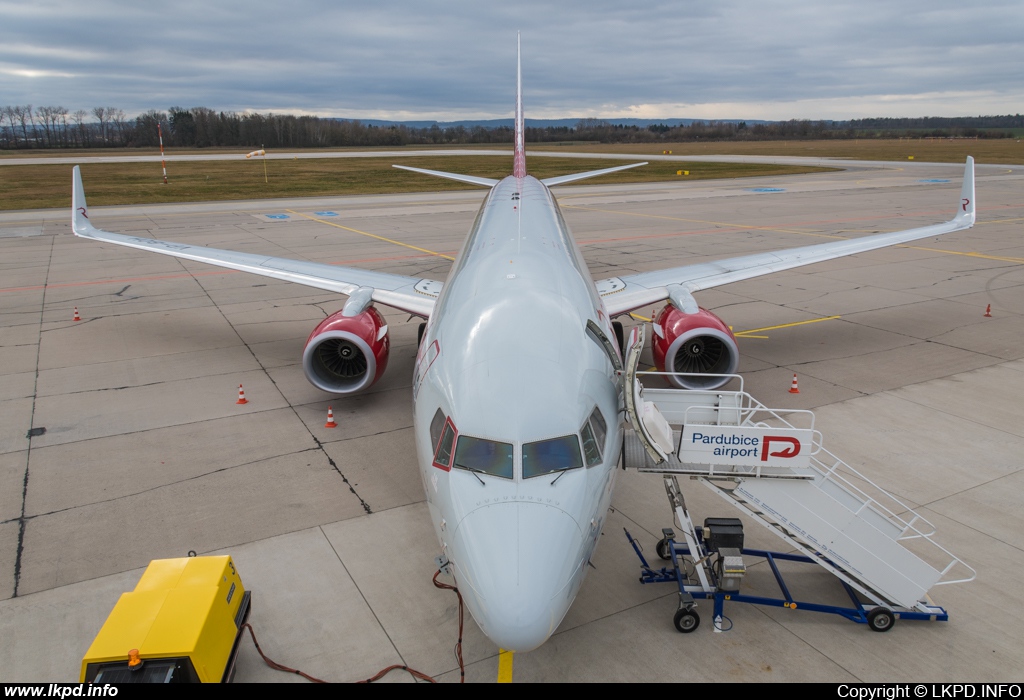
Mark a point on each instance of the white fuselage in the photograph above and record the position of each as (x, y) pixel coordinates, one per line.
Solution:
(507, 360)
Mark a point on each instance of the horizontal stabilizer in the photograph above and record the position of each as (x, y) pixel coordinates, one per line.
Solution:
(563, 179)
(471, 179)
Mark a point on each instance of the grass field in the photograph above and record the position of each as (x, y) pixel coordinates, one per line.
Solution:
(1010, 151)
(48, 186)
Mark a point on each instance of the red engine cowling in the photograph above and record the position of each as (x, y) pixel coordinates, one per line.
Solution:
(346, 354)
(697, 344)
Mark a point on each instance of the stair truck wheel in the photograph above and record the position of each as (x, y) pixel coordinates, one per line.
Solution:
(881, 619)
(686, 621)
(663, 550)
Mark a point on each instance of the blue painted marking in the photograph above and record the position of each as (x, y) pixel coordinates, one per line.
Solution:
(767, 189)
(933, 180)
(325, 213)
(277, 216)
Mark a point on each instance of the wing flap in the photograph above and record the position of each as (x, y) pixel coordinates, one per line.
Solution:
(397, 291)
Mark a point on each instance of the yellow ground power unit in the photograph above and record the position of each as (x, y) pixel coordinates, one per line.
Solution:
(181, 624)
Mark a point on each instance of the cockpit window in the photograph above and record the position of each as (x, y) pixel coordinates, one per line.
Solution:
(599, 426)
(443, 454)
(591, 451)
(436, 426)
(485, 456)
(555, 455)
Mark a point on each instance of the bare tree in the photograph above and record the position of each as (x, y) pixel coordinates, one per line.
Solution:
(24, 117)
(120, 122)
(61, 117)
(83, 133)
(101, 115)
(42, 119)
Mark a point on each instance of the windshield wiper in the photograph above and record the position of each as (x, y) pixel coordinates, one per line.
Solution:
(561, 473)
(474, 472)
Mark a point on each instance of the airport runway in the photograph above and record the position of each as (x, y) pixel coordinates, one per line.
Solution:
(146, 454)
(421, 152)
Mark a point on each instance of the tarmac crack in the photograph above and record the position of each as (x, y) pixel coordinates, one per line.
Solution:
(334, 465)
(169, 484)
(362, 595)
(22, 521)
(330, 460)
(366, 435)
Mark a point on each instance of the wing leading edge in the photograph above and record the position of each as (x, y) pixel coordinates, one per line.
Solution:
(628, 292)
(415, 296)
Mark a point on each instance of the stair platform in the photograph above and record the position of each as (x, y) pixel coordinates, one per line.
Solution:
(785, 480)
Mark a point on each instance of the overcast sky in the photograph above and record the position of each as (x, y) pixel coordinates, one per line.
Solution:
(423, 59)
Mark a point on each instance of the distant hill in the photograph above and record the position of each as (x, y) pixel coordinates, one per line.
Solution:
(536, 123)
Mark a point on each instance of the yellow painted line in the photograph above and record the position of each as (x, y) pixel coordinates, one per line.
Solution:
(505, 666)
(969, 255)
(749, 334)
(372, 235)
(697, 221)
(998, 221)
(743, 334)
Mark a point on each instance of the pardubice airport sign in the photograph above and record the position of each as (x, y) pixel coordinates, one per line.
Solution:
(752, 447)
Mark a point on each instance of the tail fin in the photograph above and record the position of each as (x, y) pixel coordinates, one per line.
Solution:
(79, 209)
(519, 154)
(965, 213)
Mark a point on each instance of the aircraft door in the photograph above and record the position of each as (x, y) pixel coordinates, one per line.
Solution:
(650, 425)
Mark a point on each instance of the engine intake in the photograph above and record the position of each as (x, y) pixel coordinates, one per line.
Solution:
(696, 344)
(347, 354)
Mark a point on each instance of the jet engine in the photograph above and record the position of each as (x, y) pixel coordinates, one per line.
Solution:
(346, 354)
(697, 343)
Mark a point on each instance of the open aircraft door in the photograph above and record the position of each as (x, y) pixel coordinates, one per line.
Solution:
(651, 427)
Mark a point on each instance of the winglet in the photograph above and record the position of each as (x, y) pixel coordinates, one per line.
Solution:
(519, 154)
(79, 209)
(965, 213)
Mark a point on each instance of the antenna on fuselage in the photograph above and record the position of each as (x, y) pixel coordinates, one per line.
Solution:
(519, 154)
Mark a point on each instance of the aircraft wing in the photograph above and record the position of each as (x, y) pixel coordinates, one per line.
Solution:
(628, 292)
(410, 294)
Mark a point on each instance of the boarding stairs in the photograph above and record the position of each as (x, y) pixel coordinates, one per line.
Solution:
(819, 505)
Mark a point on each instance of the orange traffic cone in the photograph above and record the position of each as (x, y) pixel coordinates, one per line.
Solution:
(330, 419)
(794, 389)
(241, 395)
(988, 312)
(77, 317)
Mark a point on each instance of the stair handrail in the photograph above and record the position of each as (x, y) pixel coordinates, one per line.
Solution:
(868, 501)
(909, 529)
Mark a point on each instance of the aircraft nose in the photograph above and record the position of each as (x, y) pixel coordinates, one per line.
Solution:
(517, 559)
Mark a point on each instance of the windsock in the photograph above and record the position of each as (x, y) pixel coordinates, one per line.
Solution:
(260, 152)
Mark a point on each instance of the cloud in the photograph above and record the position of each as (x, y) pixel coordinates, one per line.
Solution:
(454, 59)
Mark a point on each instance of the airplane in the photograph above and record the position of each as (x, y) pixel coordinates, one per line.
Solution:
(518, 386)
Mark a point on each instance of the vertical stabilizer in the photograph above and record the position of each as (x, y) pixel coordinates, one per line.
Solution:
(519, 156)
(965, 213)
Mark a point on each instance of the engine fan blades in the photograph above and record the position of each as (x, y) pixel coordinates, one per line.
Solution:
(342, 358)
(700, 355)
